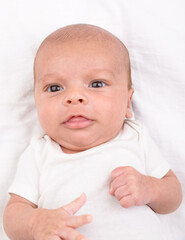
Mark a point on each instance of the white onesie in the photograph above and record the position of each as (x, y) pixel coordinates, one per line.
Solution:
(50, 178)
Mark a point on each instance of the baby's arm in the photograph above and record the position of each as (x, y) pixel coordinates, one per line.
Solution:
(24, 221)
(132, 188)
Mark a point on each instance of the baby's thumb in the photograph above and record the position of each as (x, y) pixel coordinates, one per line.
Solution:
(75, 205)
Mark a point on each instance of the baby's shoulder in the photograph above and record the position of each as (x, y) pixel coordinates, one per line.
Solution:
(40, 143)
(41, 147)
(133, 129)
(140, 132)
(39, 140)
(133, 126)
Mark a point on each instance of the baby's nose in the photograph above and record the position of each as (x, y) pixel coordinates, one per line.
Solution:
(75, 98)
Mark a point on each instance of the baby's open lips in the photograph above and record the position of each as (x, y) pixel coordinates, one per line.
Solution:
(77, 118)
(77, 121)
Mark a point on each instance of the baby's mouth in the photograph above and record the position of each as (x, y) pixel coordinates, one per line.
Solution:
(78, 121)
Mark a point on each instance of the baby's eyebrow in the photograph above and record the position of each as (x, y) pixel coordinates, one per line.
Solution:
(48, 77)
(55, 75)
(101, 71)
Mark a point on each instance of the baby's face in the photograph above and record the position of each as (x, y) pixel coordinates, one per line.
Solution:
(81, 94)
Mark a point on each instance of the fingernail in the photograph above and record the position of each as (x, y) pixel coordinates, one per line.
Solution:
(89, 218)
(83, 195)
(111, 190)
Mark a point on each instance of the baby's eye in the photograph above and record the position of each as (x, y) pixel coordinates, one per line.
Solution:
(97, 84)
(54, 88)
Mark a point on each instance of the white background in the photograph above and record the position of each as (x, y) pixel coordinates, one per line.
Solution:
(154, 34)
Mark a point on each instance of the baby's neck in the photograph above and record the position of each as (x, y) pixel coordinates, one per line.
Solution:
(70, 151)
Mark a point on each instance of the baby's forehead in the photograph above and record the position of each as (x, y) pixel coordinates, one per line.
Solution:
(101, 47)
(85, 34)
(104, 53)
(113, 49)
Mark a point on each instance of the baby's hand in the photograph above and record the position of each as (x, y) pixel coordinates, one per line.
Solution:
(130, 187)
(60, 223)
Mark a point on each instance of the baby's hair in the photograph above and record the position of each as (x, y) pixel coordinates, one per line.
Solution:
(87, 32)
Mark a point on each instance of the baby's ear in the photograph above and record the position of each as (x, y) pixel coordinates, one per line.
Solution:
(129, 113)
(129, 110)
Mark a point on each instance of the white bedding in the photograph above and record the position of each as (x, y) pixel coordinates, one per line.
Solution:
(154, 34)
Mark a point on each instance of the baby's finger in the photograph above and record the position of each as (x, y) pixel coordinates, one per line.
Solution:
(116, 183)
(55, 238)
(78, 221)
(121, 170)
(117, 171)
(121, 192)
(71, 234)
(127, 201)
(75, 205)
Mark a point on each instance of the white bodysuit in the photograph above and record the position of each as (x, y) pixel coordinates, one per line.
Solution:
(50, 178)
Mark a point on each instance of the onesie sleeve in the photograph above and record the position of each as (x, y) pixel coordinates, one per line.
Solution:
(155, 163)
(26, 181)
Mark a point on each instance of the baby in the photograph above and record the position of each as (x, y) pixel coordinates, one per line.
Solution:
(92, 151)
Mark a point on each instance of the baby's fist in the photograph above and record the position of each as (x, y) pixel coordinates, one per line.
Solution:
(130, 187)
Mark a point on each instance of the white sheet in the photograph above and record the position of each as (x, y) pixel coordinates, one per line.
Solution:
(154, 33)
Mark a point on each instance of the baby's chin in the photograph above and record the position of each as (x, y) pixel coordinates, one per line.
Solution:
(70, 149)
(83, 140)
(76, 148)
